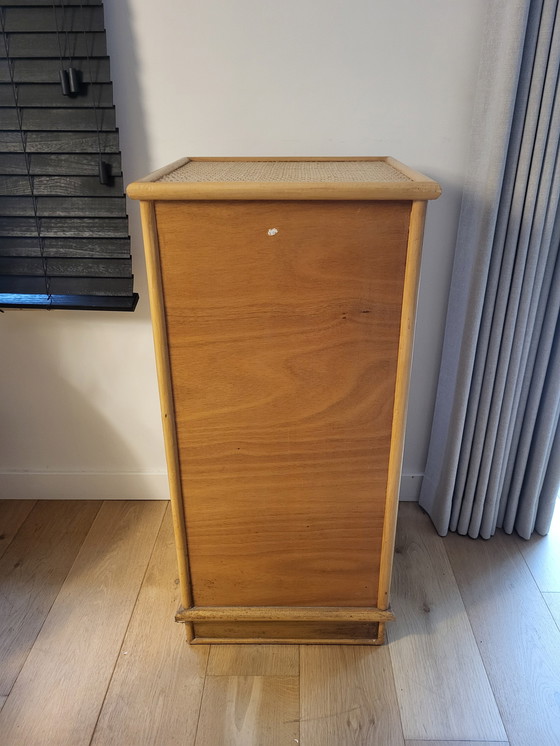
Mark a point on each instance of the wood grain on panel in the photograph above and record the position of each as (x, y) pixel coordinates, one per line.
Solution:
(156, 688)
(348, 697)
(60, 690)
(249, 711)
(32, 571)
(441, 682)
(283, 324)
(517, 637)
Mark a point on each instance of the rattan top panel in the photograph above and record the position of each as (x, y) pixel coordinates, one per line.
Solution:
(286, 171)
(368, 178)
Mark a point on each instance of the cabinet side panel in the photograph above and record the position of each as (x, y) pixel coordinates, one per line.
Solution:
(283, 326)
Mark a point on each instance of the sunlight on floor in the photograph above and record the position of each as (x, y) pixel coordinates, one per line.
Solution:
(542, 554)
(554, 533)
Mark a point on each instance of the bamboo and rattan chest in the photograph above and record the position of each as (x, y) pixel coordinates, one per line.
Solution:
(283, 294)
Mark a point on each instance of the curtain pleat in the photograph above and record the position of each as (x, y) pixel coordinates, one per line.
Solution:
(490, 460)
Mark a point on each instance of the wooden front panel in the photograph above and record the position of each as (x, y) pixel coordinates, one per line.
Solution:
(283, 327)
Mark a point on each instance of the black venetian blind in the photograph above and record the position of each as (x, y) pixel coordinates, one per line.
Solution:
(64, 239)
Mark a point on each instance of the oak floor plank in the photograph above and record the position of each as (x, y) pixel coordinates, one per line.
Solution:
(442, 687)
(457, 743)
(542, 555)
(348, 697)
(553, 603)
(156, 689)
(58, 694)
(12, 514)
(254, 660)
(249, 711)
(517, 637)
(32, 572)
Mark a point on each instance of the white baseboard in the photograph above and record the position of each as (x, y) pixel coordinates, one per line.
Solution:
(29, 485)
(410, 487)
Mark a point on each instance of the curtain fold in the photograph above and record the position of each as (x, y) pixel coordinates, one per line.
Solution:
(492, 460)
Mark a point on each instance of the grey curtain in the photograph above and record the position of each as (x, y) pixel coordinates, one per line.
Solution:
(494, 455)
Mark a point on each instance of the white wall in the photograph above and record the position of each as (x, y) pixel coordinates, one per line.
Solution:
(78, 405)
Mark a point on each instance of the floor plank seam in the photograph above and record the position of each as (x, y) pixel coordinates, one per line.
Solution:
(5, 549)
(498, 707)
(132, 609)
(541, 591)
(249, 675)
(201, 693)
(439, 675)
(299, 693)
(550, 610)
(397, 700)
(460, 742)
(555, 619)
(63, 581)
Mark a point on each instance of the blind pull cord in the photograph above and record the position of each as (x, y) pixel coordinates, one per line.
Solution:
(70, 77)
(104, 167)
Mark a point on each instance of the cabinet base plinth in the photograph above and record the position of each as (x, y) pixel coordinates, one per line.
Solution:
(278, 633)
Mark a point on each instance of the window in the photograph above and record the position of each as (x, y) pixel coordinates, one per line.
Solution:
(64, 239)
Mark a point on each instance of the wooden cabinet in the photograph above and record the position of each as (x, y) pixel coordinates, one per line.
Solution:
(283, 296)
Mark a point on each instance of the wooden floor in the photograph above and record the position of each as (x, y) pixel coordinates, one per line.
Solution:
(90, 654)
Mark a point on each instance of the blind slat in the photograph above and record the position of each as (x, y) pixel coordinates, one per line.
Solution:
(67, 18)
(102, 207)
(49, 94)
(72, 247)
(58, 119)
(67, 164)
(29, 71)
(70, 302)
(56, 142)
(60, 267)
(52, 227)
(67, 285)
(46, 45)
(72, 3)
(62, 186)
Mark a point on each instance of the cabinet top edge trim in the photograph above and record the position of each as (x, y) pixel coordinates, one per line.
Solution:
(231, 178)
